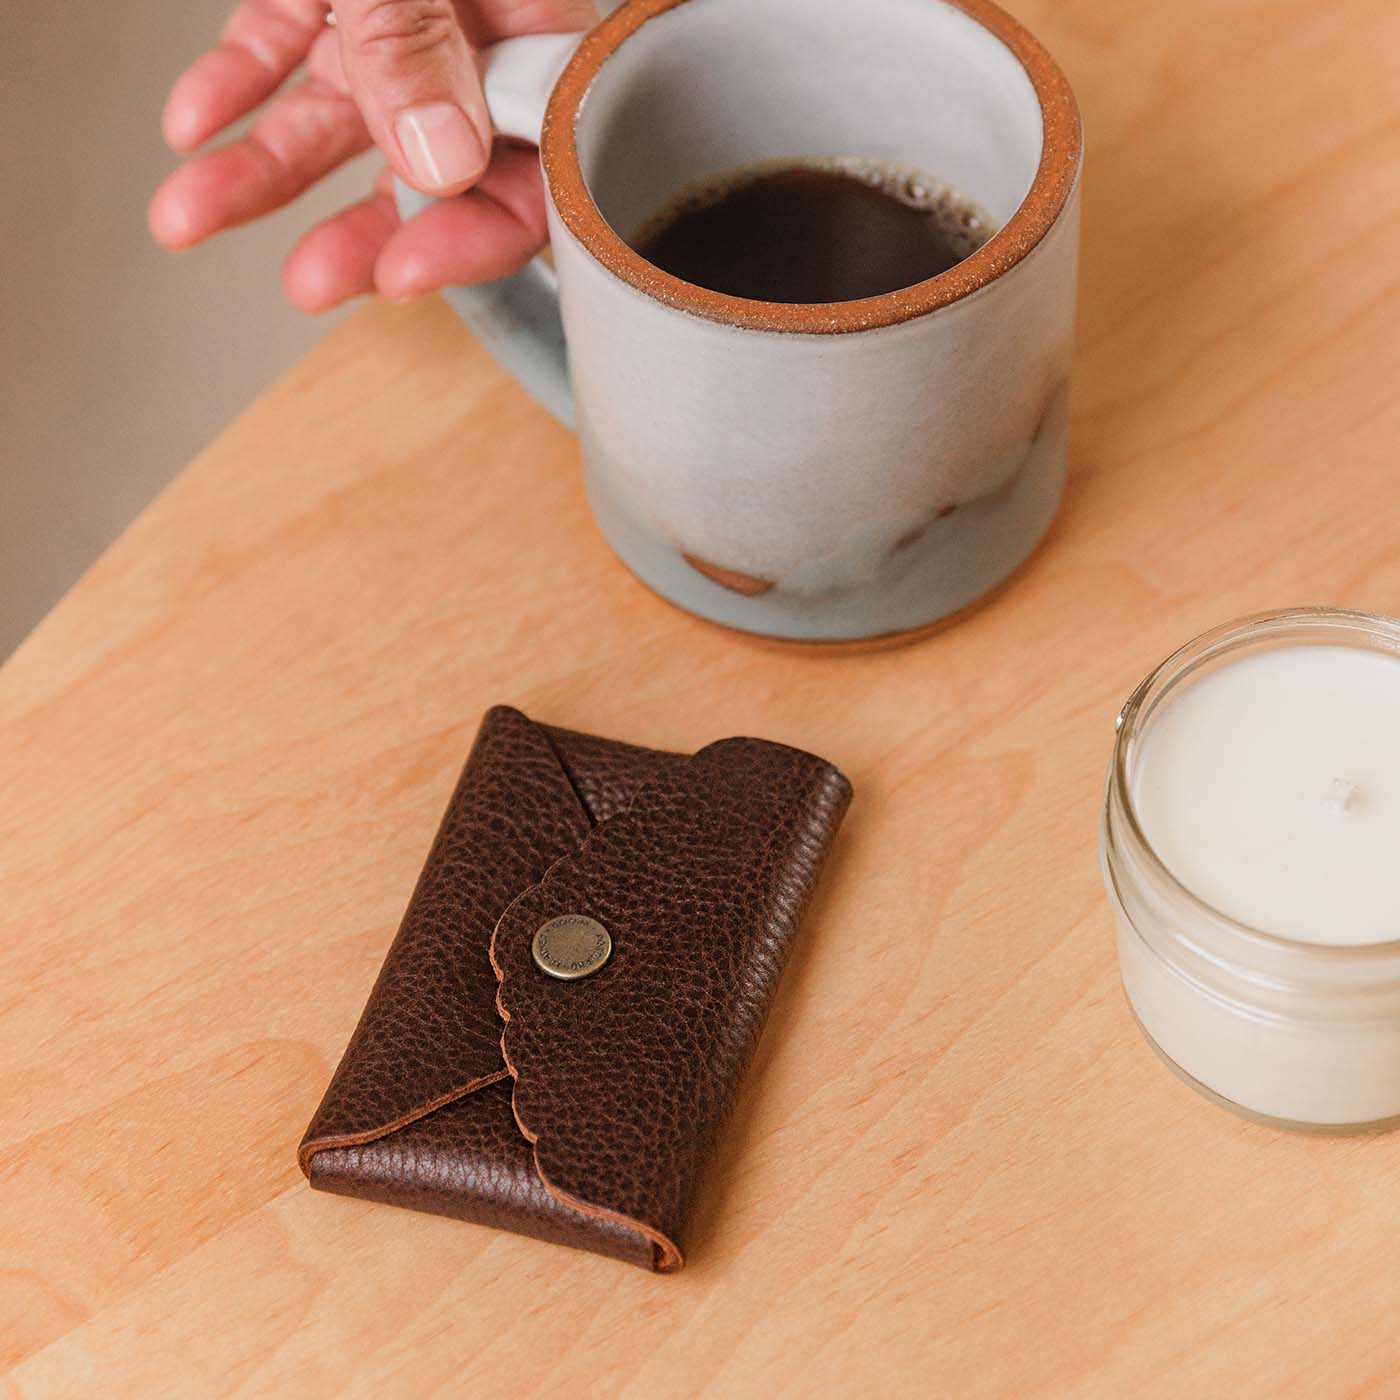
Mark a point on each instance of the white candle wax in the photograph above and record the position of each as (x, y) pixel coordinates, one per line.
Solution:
(1255, 789)
(1271, 789)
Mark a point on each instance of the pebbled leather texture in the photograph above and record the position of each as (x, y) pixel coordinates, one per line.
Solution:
(590, 1120)
(469, 1160)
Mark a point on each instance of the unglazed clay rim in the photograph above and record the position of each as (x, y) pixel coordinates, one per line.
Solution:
(1033, 219)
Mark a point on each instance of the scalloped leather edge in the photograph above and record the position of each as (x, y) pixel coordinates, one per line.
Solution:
(666, 1255)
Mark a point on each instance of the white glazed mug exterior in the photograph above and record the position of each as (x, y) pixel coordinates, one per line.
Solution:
(813, 485)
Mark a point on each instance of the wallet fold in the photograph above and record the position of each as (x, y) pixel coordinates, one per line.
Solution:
(582, 1112)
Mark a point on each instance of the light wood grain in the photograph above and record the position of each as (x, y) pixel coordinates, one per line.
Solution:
(959, 1170)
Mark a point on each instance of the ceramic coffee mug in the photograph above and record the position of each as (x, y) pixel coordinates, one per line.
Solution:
(820, 472)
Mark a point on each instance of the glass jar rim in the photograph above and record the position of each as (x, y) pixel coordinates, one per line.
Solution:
(1276, 626)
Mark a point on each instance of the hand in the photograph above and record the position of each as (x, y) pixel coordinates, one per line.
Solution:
(393, 73)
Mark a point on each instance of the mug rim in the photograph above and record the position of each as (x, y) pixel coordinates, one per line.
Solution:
(1061, 147)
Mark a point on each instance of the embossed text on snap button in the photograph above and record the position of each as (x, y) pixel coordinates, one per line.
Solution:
(571, 946)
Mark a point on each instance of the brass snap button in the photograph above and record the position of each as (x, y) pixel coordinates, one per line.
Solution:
(571, 946)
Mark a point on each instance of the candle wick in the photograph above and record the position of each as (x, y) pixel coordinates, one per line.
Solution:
(1342, 795)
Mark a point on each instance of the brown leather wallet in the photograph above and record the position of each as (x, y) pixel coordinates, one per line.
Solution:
(477, 1085)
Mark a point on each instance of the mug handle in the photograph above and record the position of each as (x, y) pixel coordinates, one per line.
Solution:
(517, 318)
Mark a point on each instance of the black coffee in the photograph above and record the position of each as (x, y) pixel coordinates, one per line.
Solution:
(814, 232)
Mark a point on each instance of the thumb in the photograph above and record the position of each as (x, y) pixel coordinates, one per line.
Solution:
(410, 71)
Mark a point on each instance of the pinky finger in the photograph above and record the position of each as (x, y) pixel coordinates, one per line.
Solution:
(335, 260)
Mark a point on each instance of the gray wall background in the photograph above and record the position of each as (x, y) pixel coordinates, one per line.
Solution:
(118, 361)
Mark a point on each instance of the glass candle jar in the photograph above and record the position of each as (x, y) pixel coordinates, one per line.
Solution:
(1253, 793)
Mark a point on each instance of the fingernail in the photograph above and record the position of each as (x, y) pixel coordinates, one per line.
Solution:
(441, 146)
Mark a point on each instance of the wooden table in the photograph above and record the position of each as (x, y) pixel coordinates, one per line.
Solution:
(959, 1171)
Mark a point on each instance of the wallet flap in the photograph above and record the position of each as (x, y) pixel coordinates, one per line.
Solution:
(468, 1159)
(430, 1031)
(608, 774)
(623, 1079)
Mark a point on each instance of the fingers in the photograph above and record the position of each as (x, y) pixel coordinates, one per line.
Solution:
(410, 69)
(304, 135)
(504, 19)
(335, 260)
(399, 73)
(263, 41)
(491, 232)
